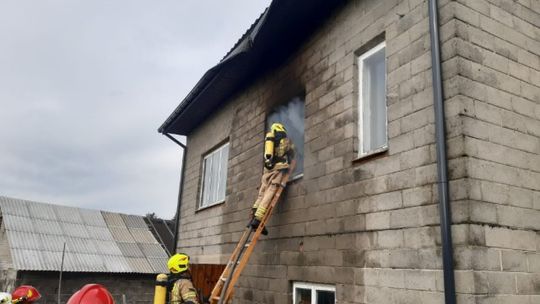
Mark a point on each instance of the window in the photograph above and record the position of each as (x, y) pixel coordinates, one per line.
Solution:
(306, 293)
(214, 176)
(372, 129)
(292, 116)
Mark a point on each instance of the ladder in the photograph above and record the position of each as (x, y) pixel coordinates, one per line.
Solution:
(224, 288)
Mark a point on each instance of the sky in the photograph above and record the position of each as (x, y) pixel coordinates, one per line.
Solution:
(84, 86)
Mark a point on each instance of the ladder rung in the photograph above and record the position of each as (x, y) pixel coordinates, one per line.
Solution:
(223, 279)
(247, 245)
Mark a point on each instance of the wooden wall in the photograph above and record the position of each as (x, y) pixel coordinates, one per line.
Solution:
(205, 277)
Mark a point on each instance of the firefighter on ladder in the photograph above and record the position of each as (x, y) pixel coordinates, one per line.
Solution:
(278, 153)
(183, 291)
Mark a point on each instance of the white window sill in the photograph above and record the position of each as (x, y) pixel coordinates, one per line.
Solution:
(210, 206)
(371, 154)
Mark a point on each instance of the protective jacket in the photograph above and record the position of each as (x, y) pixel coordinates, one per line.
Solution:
(278, 150)
(183, 291)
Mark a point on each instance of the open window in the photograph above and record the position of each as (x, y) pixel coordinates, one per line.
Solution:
(372, 113)
(291, 114)
(214, 176)
(307, 293)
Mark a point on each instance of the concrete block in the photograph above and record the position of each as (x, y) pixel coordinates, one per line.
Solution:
(514, 260)
(501, 283)
(408, 217)
(422, 279)
(394, 278)
(470, 282)
(502, 299)
(424, 237)
(389, 239)
(403, 258)
(415, 158)
(378, 220)
(379, 295)
(477, 258)
(533, 261)
(512, 239)
(417, 196)
(528, 283)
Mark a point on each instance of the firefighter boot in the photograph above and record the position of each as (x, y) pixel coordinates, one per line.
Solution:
(250, 223)
(255, 224)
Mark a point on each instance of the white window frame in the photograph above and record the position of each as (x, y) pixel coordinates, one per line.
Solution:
(360, 62)
(203, 172)
(314, 288)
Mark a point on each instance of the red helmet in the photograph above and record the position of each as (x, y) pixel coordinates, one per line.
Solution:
(25, 294)
(91, 294)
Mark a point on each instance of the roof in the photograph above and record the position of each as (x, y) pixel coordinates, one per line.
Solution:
(96, 241)
(274, 36)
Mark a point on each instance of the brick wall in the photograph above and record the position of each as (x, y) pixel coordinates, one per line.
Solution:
(370, 227)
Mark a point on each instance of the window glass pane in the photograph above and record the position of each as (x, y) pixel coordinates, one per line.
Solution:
(373, 99)
(292, 116)
(224, 157)
(326, 297)
(207, 181)
(215, 176)
(303, 296)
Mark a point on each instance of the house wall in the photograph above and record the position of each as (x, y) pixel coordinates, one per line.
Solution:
(137, 288)
(493, 86)
(370, 227)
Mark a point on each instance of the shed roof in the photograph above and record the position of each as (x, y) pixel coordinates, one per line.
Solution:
(96, 241)
(277, 33)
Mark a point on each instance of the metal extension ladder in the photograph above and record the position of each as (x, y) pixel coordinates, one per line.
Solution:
(224, 288)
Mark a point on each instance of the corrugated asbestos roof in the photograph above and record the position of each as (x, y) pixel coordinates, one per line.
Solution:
(270, 40)
(96, 241)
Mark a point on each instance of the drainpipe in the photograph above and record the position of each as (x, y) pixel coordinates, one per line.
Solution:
(179, 205)
(442, 160)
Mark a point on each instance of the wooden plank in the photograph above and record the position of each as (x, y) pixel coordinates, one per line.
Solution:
(205, 276)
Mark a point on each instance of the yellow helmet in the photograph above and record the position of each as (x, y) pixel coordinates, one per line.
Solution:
(178, 263)
(277, 127)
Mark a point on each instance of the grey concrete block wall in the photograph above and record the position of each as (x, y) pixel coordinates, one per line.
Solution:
(369, 227)
(495, 91)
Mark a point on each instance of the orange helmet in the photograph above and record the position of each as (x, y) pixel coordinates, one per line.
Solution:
(25, 294)
(91, 294)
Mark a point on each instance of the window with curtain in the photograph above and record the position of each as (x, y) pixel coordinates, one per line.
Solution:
(372, 129)
(291, 114)
(214, 178)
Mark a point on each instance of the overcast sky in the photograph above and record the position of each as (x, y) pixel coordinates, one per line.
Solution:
(84, 85)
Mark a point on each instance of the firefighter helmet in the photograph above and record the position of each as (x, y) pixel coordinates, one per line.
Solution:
(5, 298)
(277, 127)
(91, 294)
(178, 263)
(25, 294)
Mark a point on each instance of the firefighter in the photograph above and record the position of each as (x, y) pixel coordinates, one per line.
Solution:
(91, 294)
(25, 294)
(183, 291)
(278, 153)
